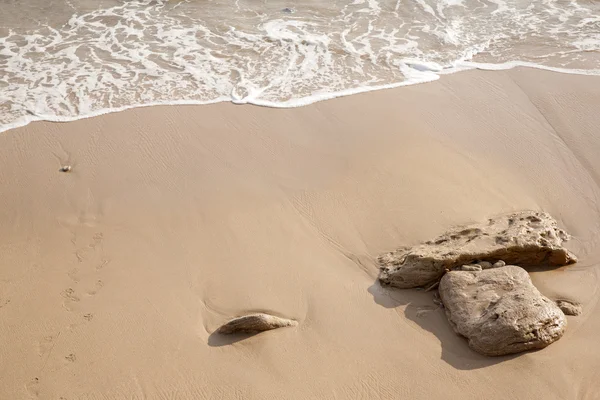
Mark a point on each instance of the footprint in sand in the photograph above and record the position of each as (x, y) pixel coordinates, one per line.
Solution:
(33, 387)
(81, 255)
(87, 317)
(97, 239)
(45, 345)
(103, 264)
(99, 284)
(84, 277)
(4, 300)
(71, 298)
(70, 294)
(74, 275)
(84, 253)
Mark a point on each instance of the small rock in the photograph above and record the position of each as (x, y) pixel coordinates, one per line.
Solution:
(499, 311)
(569, 307)
(486, 265)
(255, 323)
(499, 264)
(527, 238)
(288, 10)
(471, 267)
(65, 168)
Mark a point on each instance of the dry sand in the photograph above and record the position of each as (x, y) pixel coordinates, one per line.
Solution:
(175, 219)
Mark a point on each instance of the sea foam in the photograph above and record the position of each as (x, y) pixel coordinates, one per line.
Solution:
(142, 53)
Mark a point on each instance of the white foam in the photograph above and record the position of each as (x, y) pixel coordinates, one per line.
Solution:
(501, 6)
(145, 52)
(588, 44)
(305, 101)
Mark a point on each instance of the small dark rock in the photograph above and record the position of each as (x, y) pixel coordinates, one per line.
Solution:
(569, 307)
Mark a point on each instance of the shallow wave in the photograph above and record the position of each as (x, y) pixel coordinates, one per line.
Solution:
(159, 52)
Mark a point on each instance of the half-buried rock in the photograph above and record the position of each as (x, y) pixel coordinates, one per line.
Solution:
(499, 310)
(526, 238)
(254, 323)
(569, 307)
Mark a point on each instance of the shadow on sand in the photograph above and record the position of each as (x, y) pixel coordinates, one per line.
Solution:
(217, 340)
(421, 309)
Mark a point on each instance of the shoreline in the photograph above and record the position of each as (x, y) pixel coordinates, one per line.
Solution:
(428, 76)
(115, 274)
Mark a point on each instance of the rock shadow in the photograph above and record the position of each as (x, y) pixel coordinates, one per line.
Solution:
(218, 340)
(421, 309)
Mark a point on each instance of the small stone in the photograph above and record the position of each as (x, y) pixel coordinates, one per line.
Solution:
(499, 264)
(470, 267)
(65, 168)
(569, 307)
(255, 323)
(486, 265)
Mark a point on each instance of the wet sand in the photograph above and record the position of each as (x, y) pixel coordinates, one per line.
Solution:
(172, 220)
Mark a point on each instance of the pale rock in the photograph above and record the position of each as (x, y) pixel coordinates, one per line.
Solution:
(255, 323)
(486, 264)
(499, 310)
(527, 238)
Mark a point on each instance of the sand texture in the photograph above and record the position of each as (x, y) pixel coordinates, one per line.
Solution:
(116, 274)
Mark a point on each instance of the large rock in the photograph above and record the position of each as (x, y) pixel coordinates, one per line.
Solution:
(526, 238)
(499, 310)
(255, 323)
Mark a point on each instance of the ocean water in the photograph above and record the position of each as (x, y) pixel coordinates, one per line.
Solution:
(67, 59)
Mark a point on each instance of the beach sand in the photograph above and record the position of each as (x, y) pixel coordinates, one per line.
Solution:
(172, 220)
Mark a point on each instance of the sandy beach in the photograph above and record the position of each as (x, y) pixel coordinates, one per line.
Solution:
(174, 219)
